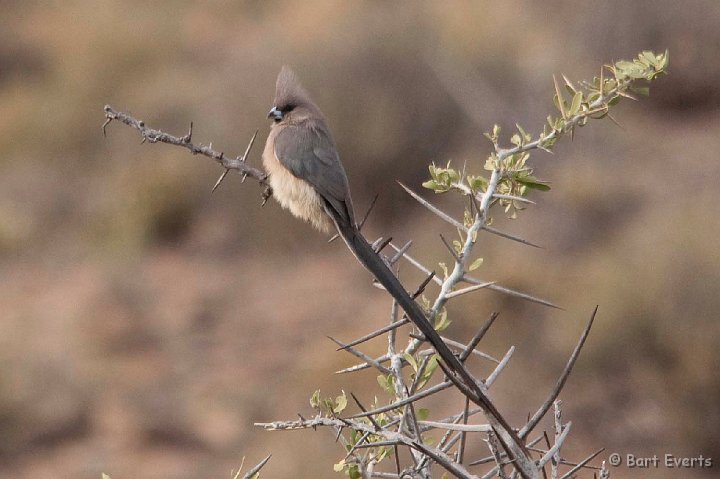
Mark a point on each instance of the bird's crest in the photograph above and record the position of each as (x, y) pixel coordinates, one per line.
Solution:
(288, 90)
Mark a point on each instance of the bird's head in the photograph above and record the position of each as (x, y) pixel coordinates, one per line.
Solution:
(292, 103)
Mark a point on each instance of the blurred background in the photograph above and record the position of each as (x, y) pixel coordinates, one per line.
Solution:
(145, 323)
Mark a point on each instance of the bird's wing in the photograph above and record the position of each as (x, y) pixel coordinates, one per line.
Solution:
(310, 154)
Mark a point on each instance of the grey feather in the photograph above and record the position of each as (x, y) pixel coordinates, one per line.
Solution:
(308, 151)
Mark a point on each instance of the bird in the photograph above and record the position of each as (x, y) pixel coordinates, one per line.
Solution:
(308, 179)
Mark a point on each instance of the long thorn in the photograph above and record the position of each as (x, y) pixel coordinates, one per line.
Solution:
(257, 468)
(423, 285)
(560, 383)
(369, 210)
(478, 337)
(469, 289)
(502, 234)
(581, 464)
(450, 248)
(400, 252)
(219, 180)
(250, 145)
(422, 394)
(362, 408)
(375, 333)
(362, 356)
(433, 209)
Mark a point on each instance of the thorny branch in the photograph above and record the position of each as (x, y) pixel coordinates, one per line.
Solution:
(371, 435)
(238, 163)
(401, 413)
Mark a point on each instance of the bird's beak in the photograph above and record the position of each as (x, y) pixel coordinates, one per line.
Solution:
(275, 114)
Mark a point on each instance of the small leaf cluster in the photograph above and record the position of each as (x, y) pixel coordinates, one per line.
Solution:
(593, 100)
(425, 374)
(441, 318)
(350, 464)
(332, 407)
(442, 179)
(647, 66)
(329, 406)
(576, 104)
(517, 178)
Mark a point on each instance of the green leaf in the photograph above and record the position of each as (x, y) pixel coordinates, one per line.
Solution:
(641, 90)
(387, 383)
(494, 135)
(444, 267)
(382, 454)
(423, 413)
(624, 65)
(432, 365)
(525, 136)
(354, 472)
(477, 183)
(442, 321)
(475, 264)
(576, 103)
(411, 360)
(382, 381)
(457, 246)
(649, 57)
(532, 182)
(340, 403)
(315, 399)
(665, 60)
(491, 163)
(431, 185)
(468, 219)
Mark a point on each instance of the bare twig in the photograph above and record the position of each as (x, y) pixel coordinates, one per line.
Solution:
(501, 365)
(457, 344)
(154, 136)
(557, 459)
(457, 427)
(449, 219)
(415, 397)
(463, 436)
(492, 443)
(556, 447)
(472, 280)
(581, 464)
(361, 355)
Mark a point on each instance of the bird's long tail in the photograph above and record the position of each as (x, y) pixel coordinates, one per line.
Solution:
(372, 261)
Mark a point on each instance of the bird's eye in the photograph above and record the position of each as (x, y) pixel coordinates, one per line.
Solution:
(288, 108)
